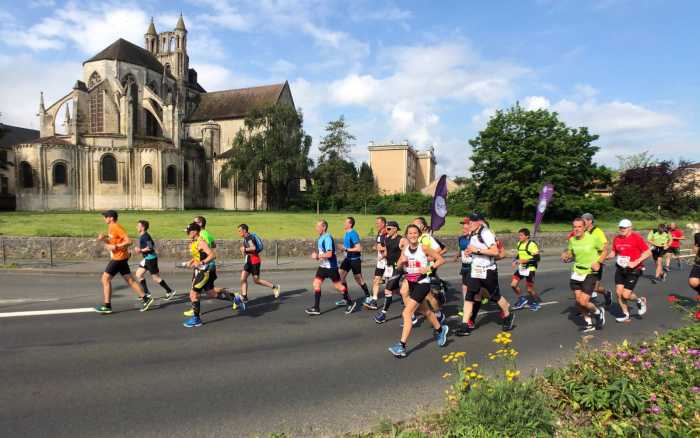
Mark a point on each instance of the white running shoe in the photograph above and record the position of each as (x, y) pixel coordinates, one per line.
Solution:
(623, 318)
(276, 291)
(642, 306)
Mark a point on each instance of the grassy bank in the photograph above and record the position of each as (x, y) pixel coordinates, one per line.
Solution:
(222, 224)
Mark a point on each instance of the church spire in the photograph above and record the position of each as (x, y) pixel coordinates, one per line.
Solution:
(151, 29)
(180, 23)
(42, 108)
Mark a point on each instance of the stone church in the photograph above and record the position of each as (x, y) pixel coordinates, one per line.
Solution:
(140, 133)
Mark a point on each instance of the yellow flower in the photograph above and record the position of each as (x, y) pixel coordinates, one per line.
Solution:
(472, 374)
(492, 356)
(467, 369)
(446, 375)
(475, 365)
(460, 354)
(480, 377)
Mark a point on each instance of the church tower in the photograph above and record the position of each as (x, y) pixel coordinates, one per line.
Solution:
(170, 48)
(151, 38)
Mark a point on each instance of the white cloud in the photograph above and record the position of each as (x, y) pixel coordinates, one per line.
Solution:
(533, 103)
(224, 14)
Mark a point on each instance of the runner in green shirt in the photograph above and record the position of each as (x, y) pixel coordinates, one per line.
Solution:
(587, 252)
(599, 234)
(659, 240)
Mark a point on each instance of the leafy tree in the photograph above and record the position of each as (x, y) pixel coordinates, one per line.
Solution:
(272, 148)
(520, 150)
(635, 161)
(337, 142)
(462, 180)
(334, 183)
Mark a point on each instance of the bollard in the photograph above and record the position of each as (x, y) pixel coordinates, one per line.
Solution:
(50, 252)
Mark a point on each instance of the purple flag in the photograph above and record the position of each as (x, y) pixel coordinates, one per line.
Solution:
(545, 196)
(439, 209)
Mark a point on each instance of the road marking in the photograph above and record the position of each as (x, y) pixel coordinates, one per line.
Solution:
(547, 303)
(47, 312)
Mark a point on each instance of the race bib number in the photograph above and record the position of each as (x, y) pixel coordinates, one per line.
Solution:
(142, 263)
(325, 263)
(381, 264)
(524, 271)
(388, 272)
(623, 261)
(479, 272)
(578, 277)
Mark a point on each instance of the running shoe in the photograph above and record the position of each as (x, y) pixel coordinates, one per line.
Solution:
(341, 303)
(667, 269)
(623, 318)
(398, 350)
(521, 303)
(380, 317)
(238, 303)
(146, 303)
(104, 310)
(508, 322)
(664, 277)
(370, 304)
(588, 328)
(312, 311)
(189, 312)
(608, 297)
(599, 318)
(170, 295)
(195, 321)
(535, 306)
(463, 330)
(485, 301)
(441, 335)
(350, 308)
(642, 306)
(471, 324)
(276, 291)
(594, 295)
(440, 315)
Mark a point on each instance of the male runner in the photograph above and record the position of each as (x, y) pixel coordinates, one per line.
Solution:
(252, 263)
(660, 241)
(392, 247)
(465, 272)
(598, 233)
(587, 252)
(328, 268)
(380, 247)
(437, 296)
(694, 278)
(117, 243)
(202, 254)
(674, 249)
(147, 248)
(353, 259)
(631, 251)
(525, 264)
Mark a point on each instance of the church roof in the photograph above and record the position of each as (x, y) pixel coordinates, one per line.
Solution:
(151, 28)
(123, 50)
(180, 24)
(12, 135)
(234, 104)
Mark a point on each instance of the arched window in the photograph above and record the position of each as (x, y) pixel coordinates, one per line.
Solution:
(147, 175)
(96, 112)
(186, 175)
(26, 176)
(171, 176)
(94, 79)
(108, 169)
(224, 180)
(59, 174)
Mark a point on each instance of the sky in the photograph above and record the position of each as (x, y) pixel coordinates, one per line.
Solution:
(428, 72)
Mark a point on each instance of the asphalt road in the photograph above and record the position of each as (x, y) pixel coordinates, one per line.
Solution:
(272, 369)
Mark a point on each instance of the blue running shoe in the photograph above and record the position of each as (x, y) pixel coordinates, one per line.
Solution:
(195, 321)
(521, 303)
(535, 306)
(380, 317)
(239, 302)
(342, 302)
(398, 350)
(441, 335)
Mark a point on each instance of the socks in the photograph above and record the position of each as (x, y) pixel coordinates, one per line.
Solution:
(403, 344)
(475, 311)
(365, 289)
(317, 299)
(387, 303)
(346, 297)
(196, 307)
(162, 284)
(144, 286)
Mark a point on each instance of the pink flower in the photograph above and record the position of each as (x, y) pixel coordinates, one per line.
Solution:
(675, 350)
(646, 365)
(643, 350)
(694, 389)
(672, 298)
(655, 409)
(652, 397)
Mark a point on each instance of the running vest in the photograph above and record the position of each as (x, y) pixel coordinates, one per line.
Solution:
(197, 254)
(393, 250)
(416, 259)
(525, 252)
(381, 259)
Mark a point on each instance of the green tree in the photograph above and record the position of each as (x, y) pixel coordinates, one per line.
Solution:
(520, 150)
(334, 183)
(635, 161)
(336, 144)
(272, 148)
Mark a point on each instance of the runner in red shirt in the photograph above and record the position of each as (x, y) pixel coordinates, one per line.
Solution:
(630, 251)
(675, 248)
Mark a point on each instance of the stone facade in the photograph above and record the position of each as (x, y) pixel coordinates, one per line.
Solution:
(399, 168)
(140, 133)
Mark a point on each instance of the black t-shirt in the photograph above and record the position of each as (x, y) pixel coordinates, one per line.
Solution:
(146, 241)
(393, 251)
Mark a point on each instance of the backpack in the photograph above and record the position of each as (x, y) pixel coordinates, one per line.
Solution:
(499, 244)
(258, 243)
(535, 257)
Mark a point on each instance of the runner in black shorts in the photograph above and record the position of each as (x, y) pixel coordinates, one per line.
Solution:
(630, 251)
(694, 278)
(252, 263)
(380, 247)
(393, 245)
(353, 259)
(147, 249)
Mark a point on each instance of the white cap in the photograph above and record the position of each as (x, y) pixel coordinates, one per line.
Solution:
(625, 223)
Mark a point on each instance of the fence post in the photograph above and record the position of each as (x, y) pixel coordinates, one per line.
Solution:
(50, 252)
(277, 254)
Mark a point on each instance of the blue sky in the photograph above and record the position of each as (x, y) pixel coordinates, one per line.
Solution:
(427, 72)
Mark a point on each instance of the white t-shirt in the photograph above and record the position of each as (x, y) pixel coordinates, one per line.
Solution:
(489, 239)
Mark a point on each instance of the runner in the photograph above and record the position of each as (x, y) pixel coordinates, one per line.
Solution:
(660, 241)
(484, 273)
(467, 325)
(674, 249)
(415, 258)
(598, 233)
(694, 278)
(631, 251)
(202, 256)
(328, 268)
(353, 260)
(117, 243)
(380, 247)
(147, 248)
(437, 296)
(587, 252)
(391, 252)
(252, 262)
(525, 264)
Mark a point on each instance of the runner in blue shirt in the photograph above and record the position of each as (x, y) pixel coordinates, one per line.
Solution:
(147, 248)
(353, 260)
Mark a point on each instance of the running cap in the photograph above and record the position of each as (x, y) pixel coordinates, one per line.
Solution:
(393, 224)
(194, 226)
(625, 223)
(110, 213)
(476, 216)
(587, 216)
(465, 221)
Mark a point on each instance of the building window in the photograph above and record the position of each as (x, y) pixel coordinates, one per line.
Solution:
(108, 169)
(224, 180)
(171, 176)
(59, 174)
(26, 176)
(4, 186)
(147, 175)
(96, 112)
(94, 79)
(186, 175)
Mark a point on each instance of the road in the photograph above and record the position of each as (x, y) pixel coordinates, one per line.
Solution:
(271, 369)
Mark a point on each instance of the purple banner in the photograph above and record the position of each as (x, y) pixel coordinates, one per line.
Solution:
(545, 196)
(438, 211)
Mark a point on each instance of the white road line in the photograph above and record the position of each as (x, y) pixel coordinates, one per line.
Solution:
(47, 312)
(484, 312)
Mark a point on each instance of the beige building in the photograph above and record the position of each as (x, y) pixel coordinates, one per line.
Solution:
(139, 133)
(399, 168)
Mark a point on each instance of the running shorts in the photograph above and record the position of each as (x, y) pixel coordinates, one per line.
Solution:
(354, 265)
(627, 277)
(530, 277)
(587, 285)
(675, 251)
(379, 272)
(695, 272)
(150, 265)
(115, 267)
(200, 279)
(332, 273)
(599, 273)
(658, 251)
(418, 291)
(394, 283)
(212, 278)
(252, 268)
(490, 283)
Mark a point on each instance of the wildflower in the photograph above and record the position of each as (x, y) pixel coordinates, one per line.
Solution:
(472, 374)
(674, 350)
(652, 397)
(475, 365)
(643, 350)
(655, 409)
(697, 315)
(492, 356)
(694, 389)
(672, 298)
(446, 375)
(460, 354)
(646, 365)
